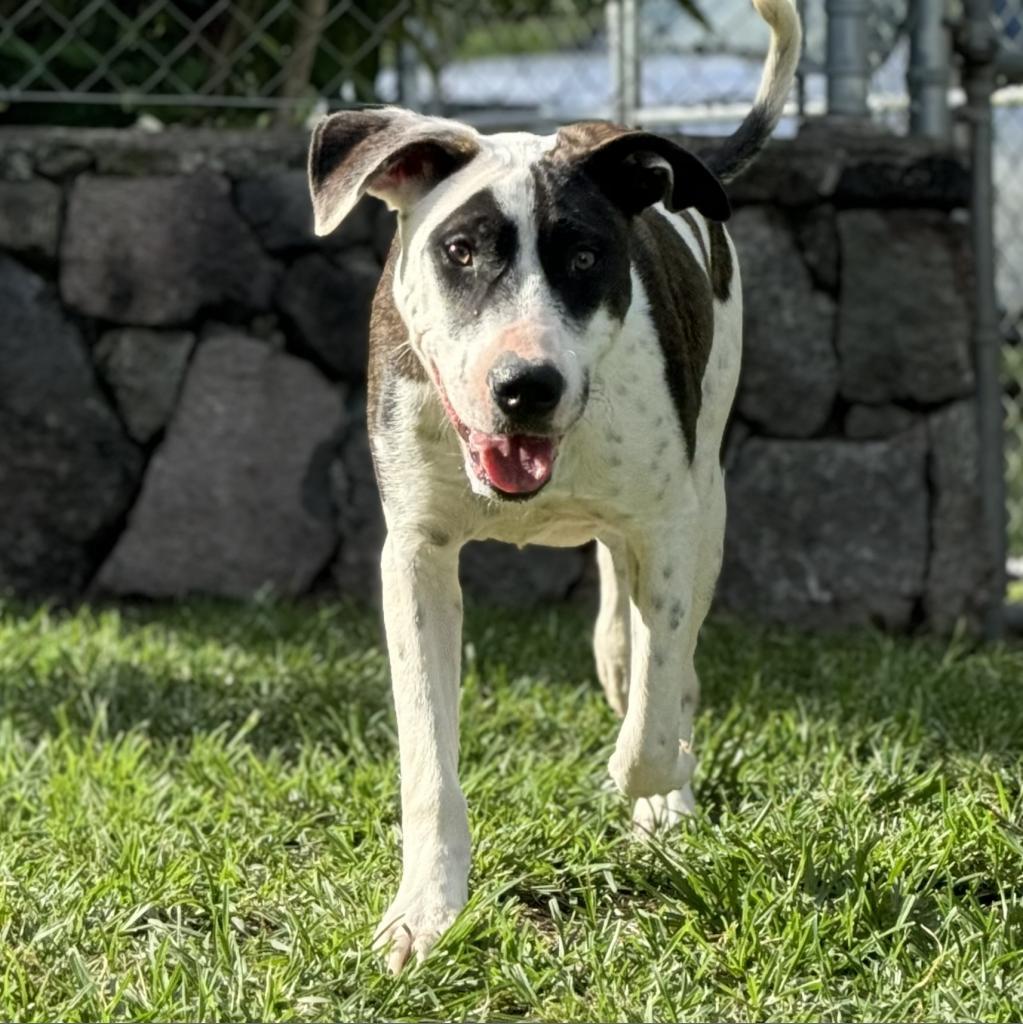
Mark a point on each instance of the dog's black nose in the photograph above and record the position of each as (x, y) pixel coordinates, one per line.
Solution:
(525, 390)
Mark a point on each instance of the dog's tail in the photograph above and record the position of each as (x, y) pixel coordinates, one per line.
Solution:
(739, 150)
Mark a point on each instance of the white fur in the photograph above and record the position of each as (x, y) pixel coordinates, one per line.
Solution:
(622, 476)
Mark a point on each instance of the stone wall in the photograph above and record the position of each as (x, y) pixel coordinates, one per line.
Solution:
(182, 381)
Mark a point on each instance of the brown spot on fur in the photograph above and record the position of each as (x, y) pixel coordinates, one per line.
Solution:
(681, 306)
(390, 358)
(390, 355)
(718, 259)
(698, 235)
(721, 268)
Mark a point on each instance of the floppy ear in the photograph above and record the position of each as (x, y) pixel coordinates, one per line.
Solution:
(388, 152)
(637, 169)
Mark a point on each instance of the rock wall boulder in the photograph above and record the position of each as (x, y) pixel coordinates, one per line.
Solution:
(237, 497)
(68, 472)
(828, 533)
(904, 322)
(158, 251)
(143, 369)
(790, 371)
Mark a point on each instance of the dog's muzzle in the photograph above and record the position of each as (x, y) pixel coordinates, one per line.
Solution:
(518, 462)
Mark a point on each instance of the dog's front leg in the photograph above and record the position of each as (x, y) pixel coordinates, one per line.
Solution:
(652, 755)
(423, 618)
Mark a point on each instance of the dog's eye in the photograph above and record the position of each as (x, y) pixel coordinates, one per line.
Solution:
(459, 252)
(583, 260)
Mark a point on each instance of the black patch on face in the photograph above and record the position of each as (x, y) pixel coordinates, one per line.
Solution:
(573, 215)
(493, 240)
(682, 308)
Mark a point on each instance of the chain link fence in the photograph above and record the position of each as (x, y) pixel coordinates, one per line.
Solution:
(695, 63)
(244, 60)
(496, 61)
(1008, 159)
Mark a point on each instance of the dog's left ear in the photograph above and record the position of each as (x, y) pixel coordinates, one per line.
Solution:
(636, 169)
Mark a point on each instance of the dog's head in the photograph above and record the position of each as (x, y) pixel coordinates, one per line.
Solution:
(514, 275)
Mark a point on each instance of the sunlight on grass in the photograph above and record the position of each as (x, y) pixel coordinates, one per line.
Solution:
(199, 809)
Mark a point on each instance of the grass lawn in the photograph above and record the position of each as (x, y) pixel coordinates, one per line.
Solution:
(198, 820)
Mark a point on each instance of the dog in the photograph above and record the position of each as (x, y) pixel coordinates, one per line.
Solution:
(554, 351)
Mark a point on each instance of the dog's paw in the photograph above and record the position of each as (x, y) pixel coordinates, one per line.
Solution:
(643, 773)
(655, 815)
(411, 927)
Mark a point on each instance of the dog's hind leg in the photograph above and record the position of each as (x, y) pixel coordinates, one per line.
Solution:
(611, 641)
(662, 812)
(672, 584)
(611, 648)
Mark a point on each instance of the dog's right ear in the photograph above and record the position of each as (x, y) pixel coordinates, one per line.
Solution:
(390, 153)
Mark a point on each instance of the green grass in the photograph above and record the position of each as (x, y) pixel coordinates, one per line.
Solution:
(198, 820)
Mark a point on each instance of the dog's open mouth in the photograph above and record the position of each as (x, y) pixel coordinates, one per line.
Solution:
(516, 465)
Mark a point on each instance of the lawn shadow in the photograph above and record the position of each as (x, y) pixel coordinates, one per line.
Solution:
(313, 672)
(300, 670)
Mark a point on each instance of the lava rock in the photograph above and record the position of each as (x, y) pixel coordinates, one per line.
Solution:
(790, 371)
(237, 497)
(904, 320)
(157, 251)
(327, 303)
(827, 533)
(67, 470)
(143, 369)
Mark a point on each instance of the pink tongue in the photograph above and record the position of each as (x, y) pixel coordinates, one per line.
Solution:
(516, 464)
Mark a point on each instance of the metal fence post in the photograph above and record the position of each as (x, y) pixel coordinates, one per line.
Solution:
(623, 51)
(848, 64)
(801, 70)
(979, 47)
(929, 69)
(630, 60)
(613, 16)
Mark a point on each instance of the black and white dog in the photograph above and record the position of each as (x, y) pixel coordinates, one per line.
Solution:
(554, 351)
